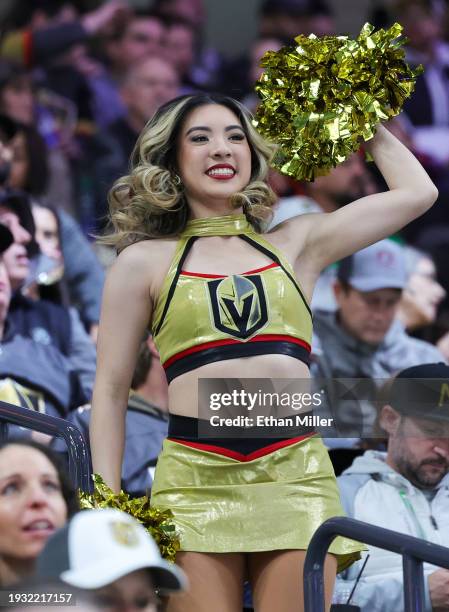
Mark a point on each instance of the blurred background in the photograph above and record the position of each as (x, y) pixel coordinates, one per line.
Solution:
(80, 78)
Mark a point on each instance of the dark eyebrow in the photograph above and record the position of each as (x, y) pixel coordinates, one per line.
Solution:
(207, 129)
(234, 127)
(8, 476)
(19, 475)
(198, 127)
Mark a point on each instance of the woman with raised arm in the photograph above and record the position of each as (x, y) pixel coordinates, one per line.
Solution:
(188, 224)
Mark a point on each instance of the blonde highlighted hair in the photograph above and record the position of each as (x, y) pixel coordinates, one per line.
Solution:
(149, 201)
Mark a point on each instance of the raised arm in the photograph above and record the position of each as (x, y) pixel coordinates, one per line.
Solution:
(125, 313)
(331, 236)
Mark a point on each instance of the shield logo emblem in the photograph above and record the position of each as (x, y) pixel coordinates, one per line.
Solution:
(239, 305)
(125, 534)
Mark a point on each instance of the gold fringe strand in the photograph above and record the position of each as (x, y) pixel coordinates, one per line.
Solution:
(157, 522)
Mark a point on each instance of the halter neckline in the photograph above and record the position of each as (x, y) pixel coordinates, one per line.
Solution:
(227, 225)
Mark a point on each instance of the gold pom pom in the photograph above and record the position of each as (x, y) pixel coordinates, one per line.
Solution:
(157, 522)
(322, 96)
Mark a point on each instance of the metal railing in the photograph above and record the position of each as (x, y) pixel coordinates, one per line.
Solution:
(413, 550)
(78, 454)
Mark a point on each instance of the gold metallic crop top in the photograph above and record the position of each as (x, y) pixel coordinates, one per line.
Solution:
(201, 318)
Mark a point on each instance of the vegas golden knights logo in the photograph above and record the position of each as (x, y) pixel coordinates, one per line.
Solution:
(239, 306)
(124, 533)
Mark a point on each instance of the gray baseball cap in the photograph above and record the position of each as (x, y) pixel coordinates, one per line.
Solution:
(379, 266)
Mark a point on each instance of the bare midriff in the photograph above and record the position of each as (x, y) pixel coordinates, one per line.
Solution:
(183, 390)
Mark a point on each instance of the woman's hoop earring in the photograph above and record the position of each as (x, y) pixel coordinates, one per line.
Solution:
(176, 179)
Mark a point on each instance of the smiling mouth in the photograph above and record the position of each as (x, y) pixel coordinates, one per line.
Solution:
(221, 173)
(39, 527)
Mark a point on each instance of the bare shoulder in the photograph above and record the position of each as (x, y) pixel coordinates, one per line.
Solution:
(146, 252)
(147, 260)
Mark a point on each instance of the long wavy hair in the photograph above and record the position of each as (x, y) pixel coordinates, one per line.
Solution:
(149, 202)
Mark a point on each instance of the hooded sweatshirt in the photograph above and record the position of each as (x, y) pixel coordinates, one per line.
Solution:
(373, 492)
(337, 354)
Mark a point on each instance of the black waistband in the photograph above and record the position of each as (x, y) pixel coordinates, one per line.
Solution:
(188, 429)
(236, 351)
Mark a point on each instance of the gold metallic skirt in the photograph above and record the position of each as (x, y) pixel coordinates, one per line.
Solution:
(274, 502)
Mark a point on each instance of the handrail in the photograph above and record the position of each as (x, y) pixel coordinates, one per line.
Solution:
(413, 550)
(78, 454)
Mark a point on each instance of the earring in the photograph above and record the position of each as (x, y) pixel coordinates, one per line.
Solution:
(176, 179)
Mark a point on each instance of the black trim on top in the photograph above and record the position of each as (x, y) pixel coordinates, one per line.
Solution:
(171, 291)
(275, 258)
(235, 351)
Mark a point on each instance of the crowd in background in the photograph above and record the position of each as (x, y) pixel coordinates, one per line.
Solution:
(78, 82)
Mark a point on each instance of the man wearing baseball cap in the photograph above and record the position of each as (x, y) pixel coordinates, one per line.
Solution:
(405, 489)
(110, 554)
(363, 339)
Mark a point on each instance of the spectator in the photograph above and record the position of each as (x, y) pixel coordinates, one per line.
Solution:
(39, 30)
(44, 322)
(320, 19)
(28, 169)
(36, 499)
(60, 238)
(423, 293)
(34, 375)
(363, 339)
(51, 31)
(29, 166)
(16, 92)
(83, 272)
(347, 182)
(405, 489)
(428, 108)
(241, 74)
(180, 50)
(192, 11)
(421, 299)
(59, 75)
(284, 19)
(48, 232)
(428, 111)
(111, 555)
(61, 72)
(344, 184)
(146, 421)
(199, 66)
(148, 84)
(134, 39)
(40, 139)
(45, 280)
